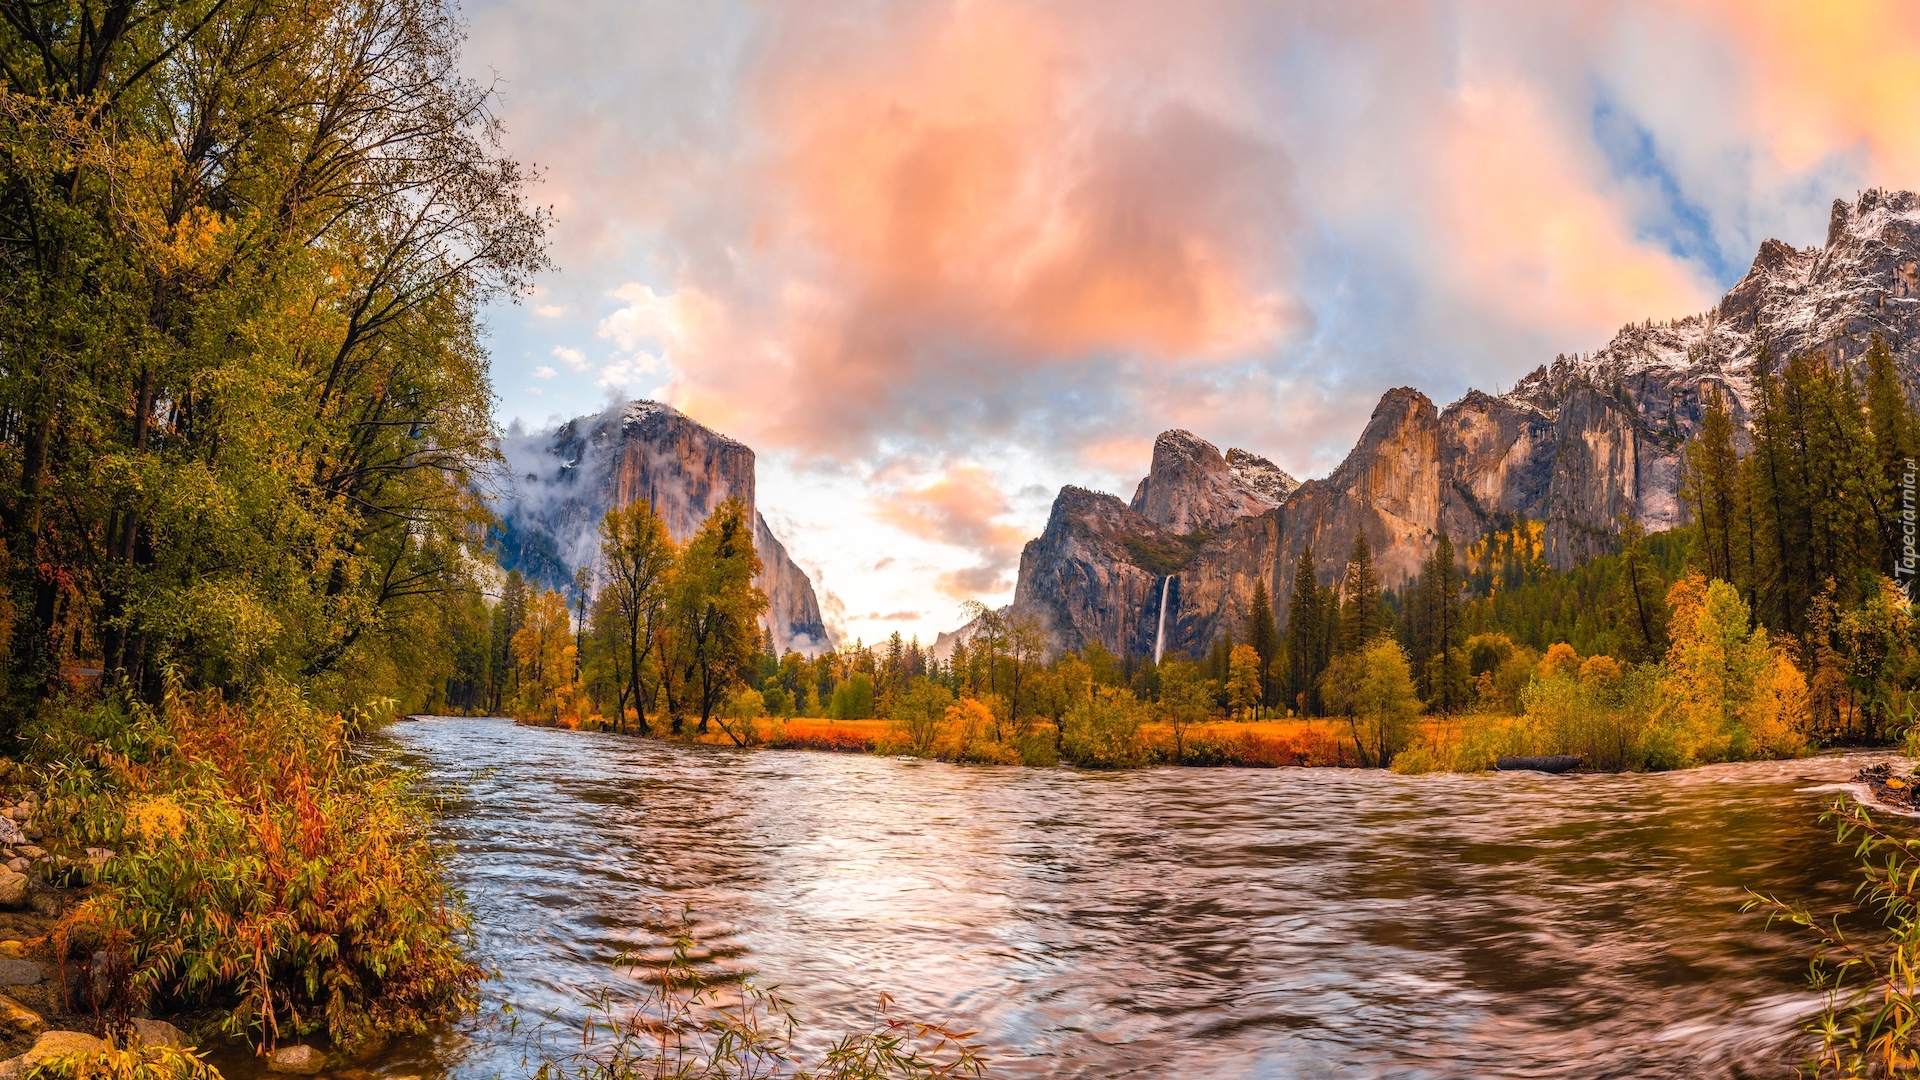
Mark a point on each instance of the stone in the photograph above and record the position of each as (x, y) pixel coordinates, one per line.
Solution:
(297, 1060)
(158, 1033)
(32, 852)
(98, 856)
(20, 864)
(14, 949)
(45, 903)
(33, 831)
(20, 1018)
(16, 972)
(14, 889)
(54, 1044)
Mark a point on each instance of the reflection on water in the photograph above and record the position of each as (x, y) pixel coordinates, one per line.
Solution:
(1171, 922)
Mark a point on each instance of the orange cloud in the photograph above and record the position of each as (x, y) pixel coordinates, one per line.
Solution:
(1532, 234)
(960, 509)
(1829, 77)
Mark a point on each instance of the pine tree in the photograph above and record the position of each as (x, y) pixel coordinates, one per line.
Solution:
(1363, 619)
(1265, 639)
(1305, 632)
(1436, 625)
(1712, 489)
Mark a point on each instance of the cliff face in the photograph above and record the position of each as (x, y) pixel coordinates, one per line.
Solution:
(1191, 488)
(1577, 444)
(565, 481)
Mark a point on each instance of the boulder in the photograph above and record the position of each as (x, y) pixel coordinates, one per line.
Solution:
(14, 892)
(50, 1045)
(13, 948)
(20, 1018)
(158, 1033)
(32, 852)
(297, 1060)
(14, 972)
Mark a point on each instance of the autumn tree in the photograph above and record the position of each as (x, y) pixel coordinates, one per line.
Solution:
(543, 651)
(636, 561)
(714, 608)
(244, 406)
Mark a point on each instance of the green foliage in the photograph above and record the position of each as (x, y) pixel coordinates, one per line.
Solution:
(1374, 689)
(1868, 1027)
(1164, 555)
(245, 408)
(263, 870)
(853, 699)
(918, 714)
(1102, 730)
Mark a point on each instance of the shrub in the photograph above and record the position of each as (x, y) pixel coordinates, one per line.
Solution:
(1102, 731)
(265, 869)
(970, 733)
(134, 1062)
(917, 716)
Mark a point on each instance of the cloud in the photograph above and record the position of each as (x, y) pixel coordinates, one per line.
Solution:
(962, 508)
(544, 372)
(1024, 237)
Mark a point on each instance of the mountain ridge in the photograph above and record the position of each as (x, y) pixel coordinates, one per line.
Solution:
(1576, 443)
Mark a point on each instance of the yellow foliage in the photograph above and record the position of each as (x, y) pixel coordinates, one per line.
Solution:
(1560, 657)
(157, 818)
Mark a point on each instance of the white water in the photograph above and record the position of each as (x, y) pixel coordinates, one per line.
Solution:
(1160, 632)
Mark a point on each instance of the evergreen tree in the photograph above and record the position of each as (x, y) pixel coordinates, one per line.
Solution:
(1712, 489)
(1364, 618)
(1441, 667)
(1264, 637)
(1306, 632)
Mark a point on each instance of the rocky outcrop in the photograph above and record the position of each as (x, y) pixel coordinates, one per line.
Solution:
(563, 483)
(1192, 488)
(1580, 445)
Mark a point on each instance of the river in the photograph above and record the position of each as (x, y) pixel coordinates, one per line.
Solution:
(1212, 923)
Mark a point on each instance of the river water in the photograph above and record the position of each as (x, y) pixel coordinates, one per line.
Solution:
(1212, 923)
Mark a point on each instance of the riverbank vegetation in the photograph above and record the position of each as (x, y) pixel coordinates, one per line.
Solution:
(245, 433)
(1871, 1023)
(687, 1026)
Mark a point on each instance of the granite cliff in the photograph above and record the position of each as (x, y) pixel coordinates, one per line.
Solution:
(563, 483)
(1577, 444)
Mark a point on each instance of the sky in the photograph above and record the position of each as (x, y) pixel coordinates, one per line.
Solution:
(934, 259)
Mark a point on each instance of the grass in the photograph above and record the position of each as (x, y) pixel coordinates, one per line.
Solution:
(688, 1027)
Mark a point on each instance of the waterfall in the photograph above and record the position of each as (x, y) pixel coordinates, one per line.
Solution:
(1160, 634)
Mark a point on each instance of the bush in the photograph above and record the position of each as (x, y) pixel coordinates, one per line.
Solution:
(970, 733)
(135, 1062)
(1102, 731)
(265, 869)
(917, 717)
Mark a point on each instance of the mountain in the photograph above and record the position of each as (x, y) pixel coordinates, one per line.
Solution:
(1576, 444)
(564, 482)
